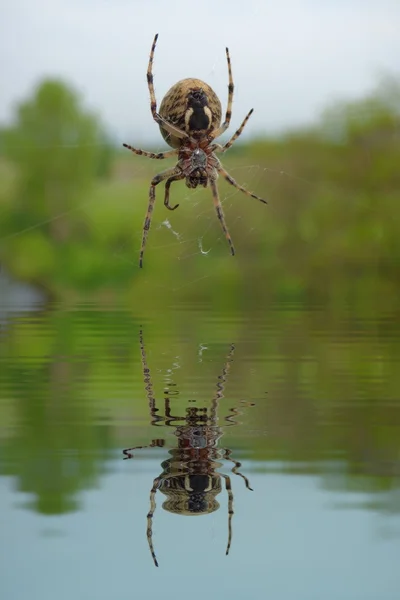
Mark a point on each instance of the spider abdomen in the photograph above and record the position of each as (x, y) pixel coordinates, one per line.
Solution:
(192, 106)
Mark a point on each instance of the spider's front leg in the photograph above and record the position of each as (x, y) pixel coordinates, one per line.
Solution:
(225, 147)
(177, 177)
(153, 102)
(169, 173)
(228, 113)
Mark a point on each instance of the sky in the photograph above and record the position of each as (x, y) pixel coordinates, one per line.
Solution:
(290, 59)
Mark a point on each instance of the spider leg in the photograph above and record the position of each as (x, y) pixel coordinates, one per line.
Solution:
(228, 113)
(220, 213)
(152, 197)
(236, 185)
(170, 128)
(153, 102)
(159, 155)
(167, 186)
(225, 147)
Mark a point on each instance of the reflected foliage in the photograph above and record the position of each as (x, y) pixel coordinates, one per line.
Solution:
(325, 387)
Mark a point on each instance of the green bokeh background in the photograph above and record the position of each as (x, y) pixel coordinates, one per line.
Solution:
(72, 207)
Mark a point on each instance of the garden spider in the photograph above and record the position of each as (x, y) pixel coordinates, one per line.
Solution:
(190, 121)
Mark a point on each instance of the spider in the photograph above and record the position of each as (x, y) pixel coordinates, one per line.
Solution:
(190, 121)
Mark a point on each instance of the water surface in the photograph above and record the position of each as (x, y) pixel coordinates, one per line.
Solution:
(305, 399)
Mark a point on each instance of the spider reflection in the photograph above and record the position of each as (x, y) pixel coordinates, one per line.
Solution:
(190, 479)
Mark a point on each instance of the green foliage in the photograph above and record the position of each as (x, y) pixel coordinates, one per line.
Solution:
(55, 146)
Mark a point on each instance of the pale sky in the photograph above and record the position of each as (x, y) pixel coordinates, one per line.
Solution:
(290, 58)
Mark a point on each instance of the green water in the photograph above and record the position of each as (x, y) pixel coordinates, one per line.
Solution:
(306, 400)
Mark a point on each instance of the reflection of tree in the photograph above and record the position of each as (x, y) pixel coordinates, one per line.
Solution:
(56, 449)
(333, 407)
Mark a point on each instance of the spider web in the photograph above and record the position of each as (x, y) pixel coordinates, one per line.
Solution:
(206, 232)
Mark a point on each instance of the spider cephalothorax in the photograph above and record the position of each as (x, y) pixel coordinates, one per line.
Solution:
(197, 164)
(190, 120)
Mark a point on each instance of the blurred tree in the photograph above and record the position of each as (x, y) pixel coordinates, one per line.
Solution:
(367, 131)
(348, 122)
(59, 149)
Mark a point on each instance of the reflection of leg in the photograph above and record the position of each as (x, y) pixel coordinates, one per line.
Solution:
(148, 382)
(227, 456)
(158, 443)
(147, 377)
(230, 418)
(220, 386)
(230, 509)
(128, 451)
(150, 514)
(168, 417)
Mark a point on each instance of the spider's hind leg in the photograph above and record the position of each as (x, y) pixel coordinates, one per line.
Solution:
(225, 147)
